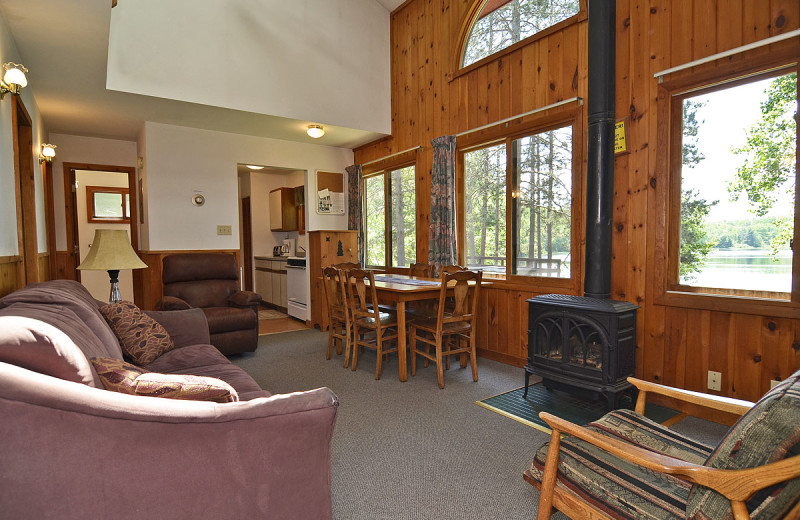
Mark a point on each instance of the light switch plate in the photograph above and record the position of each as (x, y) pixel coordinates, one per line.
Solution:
(224, 230)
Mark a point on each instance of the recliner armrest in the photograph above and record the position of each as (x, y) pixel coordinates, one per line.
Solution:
(171, 303)
(244, 299)
(185, 327)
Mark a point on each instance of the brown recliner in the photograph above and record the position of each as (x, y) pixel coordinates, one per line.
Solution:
(210, 281)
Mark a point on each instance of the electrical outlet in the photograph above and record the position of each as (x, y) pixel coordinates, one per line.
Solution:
(714, 380)
(224, 230)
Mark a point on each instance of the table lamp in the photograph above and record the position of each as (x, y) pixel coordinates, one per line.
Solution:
(111, 251)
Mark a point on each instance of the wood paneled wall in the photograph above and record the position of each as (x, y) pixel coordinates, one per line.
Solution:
(677, 344)
(147, 286)
(10, 268)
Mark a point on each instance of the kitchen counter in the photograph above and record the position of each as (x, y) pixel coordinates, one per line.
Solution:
(275, 258)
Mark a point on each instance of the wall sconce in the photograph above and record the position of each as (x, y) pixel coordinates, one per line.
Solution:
(47, 153)
(13, 80)
(315, 131)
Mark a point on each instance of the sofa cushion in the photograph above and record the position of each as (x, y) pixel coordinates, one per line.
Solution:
(69, 294)
(206, 360)
(621, 489)
(126, 378)
(769, 432)
(45, 339)
(142, 338)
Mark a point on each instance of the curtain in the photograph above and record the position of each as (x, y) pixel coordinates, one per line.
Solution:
(442, 233)
(354, 211)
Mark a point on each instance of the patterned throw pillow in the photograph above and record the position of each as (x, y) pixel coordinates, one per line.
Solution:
(117, 375)
(126, 378)
(141, 337)
(177, 386)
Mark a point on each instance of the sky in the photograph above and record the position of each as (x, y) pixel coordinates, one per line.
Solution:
(724, 120)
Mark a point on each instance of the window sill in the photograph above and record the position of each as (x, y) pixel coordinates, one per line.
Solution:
(728, 303)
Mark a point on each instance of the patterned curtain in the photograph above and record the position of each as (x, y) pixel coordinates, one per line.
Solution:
(354, 212)
(442, 234)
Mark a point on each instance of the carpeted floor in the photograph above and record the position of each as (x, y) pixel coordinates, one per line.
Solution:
(410, 450)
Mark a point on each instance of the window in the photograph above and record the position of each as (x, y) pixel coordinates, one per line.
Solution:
(518, 205)
(105, 204)
(734, 158)
(502, 23)
(390, 218)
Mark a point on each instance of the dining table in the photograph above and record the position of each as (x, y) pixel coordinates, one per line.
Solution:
(400, 289)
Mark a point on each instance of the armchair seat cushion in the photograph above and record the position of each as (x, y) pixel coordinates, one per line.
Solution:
(228, 319)
(617, 487)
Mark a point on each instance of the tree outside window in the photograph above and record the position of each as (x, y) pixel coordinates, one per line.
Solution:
(390, 218)
(502, 23)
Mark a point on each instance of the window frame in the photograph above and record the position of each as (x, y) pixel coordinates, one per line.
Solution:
(552, 119)
(472, 17)
(92, 218)
(669, 291)
(383, 168)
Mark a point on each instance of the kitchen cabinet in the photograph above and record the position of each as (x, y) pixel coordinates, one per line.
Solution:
(326, 248)
(282, 210)
(271, 282)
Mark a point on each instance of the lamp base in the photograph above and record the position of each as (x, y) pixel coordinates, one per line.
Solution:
(115, 296)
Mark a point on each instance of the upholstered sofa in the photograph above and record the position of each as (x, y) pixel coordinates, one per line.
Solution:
(71, 449)
(210, 281)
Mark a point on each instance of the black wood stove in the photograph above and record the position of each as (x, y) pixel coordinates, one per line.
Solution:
(581, 345)
(587, 344)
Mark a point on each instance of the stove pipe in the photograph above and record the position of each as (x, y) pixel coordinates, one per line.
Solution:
(600, 160)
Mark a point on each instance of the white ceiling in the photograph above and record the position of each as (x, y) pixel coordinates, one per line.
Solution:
(64, 45)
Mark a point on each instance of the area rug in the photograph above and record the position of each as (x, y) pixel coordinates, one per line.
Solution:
(511, 404)
(270, 314)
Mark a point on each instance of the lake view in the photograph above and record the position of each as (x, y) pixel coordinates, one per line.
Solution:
(750, 269)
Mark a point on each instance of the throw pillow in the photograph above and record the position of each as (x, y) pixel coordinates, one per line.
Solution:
(141, 337)
(120, 376)
(178, 386)
(117, 375)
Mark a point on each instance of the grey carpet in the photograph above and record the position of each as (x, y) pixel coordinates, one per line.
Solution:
(410, 450)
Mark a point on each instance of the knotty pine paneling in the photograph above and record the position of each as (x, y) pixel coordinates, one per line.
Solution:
(10, 267)
(675, 345)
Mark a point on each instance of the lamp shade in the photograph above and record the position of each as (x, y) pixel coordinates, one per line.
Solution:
(15, 76)
(111, 251)
(48, 150)
(315, 131)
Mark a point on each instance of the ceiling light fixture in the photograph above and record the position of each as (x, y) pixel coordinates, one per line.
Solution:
(13, 80)
(47, 153)
(254, 167)
(315, 131)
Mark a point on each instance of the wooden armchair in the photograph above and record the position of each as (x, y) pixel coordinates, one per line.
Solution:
(626, 466)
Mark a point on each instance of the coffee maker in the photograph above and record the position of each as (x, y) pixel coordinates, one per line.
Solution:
(288, 247)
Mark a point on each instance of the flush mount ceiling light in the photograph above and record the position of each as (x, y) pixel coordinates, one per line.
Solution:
(315, 131)
(13, 80)
(47, 153)
(254, 167)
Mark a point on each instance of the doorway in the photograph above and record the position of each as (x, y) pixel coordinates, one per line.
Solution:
(80, 226)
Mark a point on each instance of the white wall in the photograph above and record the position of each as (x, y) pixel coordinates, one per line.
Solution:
(181, 161)
(87, 150)
(97, 282)
(8, 201)
(318, 60)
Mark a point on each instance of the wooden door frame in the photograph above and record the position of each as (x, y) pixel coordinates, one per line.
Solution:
(246, 226)
(25, 190)
(71, 210)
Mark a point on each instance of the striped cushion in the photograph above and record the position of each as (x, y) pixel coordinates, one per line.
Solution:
(769, 432)
(619, 488)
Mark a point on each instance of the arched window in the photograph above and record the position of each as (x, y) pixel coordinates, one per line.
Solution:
(502, 23)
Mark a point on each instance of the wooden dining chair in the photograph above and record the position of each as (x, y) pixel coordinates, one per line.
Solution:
(451, 332)
(372, 328)
(421, 270)
(346, 266)
(339, 322)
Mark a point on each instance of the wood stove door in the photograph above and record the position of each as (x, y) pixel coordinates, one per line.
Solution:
(565, 344)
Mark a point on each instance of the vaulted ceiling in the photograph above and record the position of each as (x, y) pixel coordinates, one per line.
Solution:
(65, 45)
